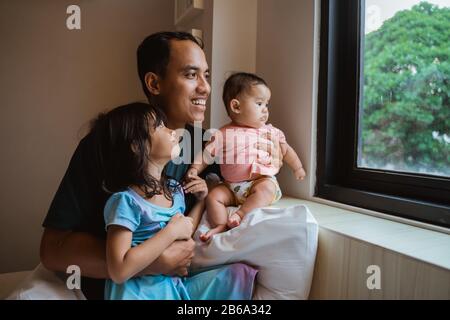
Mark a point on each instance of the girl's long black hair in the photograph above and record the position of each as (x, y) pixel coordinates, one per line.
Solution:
(122, 139)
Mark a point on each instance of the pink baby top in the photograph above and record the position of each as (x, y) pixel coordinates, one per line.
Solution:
(234, 149)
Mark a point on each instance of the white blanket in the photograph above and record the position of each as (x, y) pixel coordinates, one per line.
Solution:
(280, 243)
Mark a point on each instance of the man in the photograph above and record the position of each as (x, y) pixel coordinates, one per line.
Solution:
(174, 73)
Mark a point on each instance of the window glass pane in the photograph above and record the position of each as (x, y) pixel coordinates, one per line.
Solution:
(404, 119)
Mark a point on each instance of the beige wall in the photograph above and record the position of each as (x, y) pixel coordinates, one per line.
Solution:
(233, 48)
(285, 59)
(52, 82)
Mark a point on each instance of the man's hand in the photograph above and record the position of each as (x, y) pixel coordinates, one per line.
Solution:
(197, 186)
(174, 261)
(273, 148)
(190, 174)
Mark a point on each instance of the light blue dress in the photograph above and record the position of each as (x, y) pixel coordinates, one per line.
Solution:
(144, 219)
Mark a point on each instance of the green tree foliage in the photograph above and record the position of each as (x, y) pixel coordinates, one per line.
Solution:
(406, 112)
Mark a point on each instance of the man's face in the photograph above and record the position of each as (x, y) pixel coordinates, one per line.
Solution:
(184, 89)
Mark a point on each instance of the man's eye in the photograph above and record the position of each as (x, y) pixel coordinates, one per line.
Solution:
(191, 75)
(207, 75)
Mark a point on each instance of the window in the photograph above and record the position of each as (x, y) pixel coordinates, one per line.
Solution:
(384, 107)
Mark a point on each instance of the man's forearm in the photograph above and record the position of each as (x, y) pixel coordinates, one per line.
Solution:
(173, 261)
(60, 249)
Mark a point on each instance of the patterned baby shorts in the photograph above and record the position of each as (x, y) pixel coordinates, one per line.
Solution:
(242, 189)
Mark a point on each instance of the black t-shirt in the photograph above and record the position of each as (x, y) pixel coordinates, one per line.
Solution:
(79, 201)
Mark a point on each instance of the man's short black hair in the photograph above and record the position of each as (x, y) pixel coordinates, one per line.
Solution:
(238, 83)
(154, 52)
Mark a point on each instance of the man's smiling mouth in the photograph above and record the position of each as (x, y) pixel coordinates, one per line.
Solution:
(199, 102)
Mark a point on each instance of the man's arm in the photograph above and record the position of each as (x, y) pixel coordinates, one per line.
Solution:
(273, 148)
(174, 261)
(60, 249)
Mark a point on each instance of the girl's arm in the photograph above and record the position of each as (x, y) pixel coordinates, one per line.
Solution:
(124, 261)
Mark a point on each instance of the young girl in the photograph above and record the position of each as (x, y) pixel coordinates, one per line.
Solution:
(248, 172)
(145, 213)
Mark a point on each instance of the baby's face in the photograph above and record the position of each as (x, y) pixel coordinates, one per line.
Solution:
(254, 106)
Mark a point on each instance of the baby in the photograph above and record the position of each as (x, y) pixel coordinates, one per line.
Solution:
(248, 172)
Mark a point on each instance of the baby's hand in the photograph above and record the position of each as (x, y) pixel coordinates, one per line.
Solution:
(300, 173)
(181, 226)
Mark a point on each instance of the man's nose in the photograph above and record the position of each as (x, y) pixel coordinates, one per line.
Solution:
(203, 86)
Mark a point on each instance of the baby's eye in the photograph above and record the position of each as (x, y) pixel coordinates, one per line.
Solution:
(259, 104)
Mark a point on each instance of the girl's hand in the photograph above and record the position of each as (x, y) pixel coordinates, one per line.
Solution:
(300, 173)
(181, 226)
(197, 186)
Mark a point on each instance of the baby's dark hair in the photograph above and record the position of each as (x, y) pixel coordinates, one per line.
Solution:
(238, 83)
(122, 142)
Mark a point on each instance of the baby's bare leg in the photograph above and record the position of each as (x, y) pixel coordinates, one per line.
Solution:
(261, 195)
(216, 208)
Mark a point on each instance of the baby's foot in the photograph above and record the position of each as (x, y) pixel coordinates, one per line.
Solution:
(205, 237)
(234, 220)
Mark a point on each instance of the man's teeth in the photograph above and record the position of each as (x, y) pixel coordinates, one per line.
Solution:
(201, 102)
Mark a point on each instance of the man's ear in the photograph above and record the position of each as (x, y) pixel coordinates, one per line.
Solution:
(235, 106)
(152, 83)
